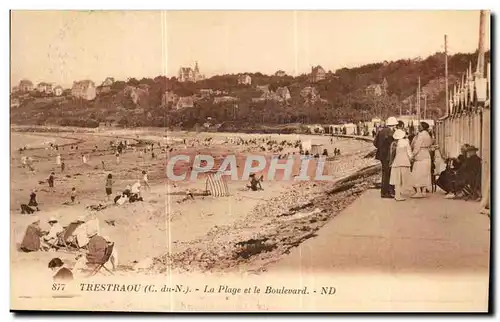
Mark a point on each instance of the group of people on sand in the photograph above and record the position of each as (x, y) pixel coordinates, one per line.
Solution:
(131, 193)
(85, 237)
(415, 162)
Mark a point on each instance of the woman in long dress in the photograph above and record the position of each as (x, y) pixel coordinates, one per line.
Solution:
(400, 164)
(421, 172)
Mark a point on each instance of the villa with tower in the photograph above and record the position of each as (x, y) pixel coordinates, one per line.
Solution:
(188, 74)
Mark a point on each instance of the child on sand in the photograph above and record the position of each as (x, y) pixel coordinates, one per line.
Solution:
(109, 185)
(145, 180)
(51, 181)
(73, 195)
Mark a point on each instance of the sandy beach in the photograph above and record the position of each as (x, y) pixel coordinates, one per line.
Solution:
(164, 222)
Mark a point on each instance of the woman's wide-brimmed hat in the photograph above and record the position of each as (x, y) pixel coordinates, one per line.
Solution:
(399, 134)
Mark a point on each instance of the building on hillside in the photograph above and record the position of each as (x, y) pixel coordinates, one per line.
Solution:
(310, 94)
(25, 85)
(58, 90)
(223, 99)
(108, 81)
(84, 89)
(44, 87)
(377, 89)
(283, 93)
(317, 74)
(188, 74)
(14, 102)
(280, 73)
(169, 98)
(184, 102)
(244, 79)
(205, 92)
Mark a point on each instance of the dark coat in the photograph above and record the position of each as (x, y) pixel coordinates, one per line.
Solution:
(97, 247)
(62, 275)
(31, 240)
(382, 142)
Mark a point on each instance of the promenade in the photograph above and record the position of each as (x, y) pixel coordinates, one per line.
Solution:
(418, 255)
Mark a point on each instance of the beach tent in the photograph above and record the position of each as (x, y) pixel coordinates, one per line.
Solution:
(216, 186)
(316, 149)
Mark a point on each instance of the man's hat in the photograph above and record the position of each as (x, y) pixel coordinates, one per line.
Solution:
(81, 219)
(52, 219)
(472, 149)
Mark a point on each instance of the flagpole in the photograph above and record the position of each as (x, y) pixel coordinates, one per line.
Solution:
(446, 73)
(418, 101)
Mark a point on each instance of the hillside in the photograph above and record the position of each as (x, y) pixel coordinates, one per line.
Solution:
(341, 97)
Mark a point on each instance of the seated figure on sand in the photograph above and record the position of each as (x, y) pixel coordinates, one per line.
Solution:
(49, 240)
(255, 184)
(32, 237)
(32, 205)
(96, 249)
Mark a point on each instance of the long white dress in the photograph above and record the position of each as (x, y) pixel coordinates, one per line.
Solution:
(400, 167)
(421, 172)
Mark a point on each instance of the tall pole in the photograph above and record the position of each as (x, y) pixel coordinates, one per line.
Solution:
(425, 107)
(411, 109)
(446, 73)
(418, 100)
(481, 49)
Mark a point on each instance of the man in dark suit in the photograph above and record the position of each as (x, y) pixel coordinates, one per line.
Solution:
(382, 142)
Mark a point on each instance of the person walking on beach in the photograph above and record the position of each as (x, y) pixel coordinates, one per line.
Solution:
(51, 181)
(382, 142)
(400, 163)
(145, 180)
(73, 195)
(109, 186)
(421, 171)
(63, 166)
(58, 160)
(23, 161)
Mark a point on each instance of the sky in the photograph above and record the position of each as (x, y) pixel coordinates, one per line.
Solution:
(64, 46)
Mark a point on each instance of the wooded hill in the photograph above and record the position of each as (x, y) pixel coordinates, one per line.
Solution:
(343, 98)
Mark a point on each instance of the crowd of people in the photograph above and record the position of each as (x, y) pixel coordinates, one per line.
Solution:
(412, 165)
(81, 235)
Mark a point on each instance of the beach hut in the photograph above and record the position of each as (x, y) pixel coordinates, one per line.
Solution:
(350, 128)
(316, 149)
(216, 186)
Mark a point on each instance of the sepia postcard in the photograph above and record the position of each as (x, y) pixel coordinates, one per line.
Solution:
(250, 161)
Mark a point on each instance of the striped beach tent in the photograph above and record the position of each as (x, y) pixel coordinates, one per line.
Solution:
(216, 185)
